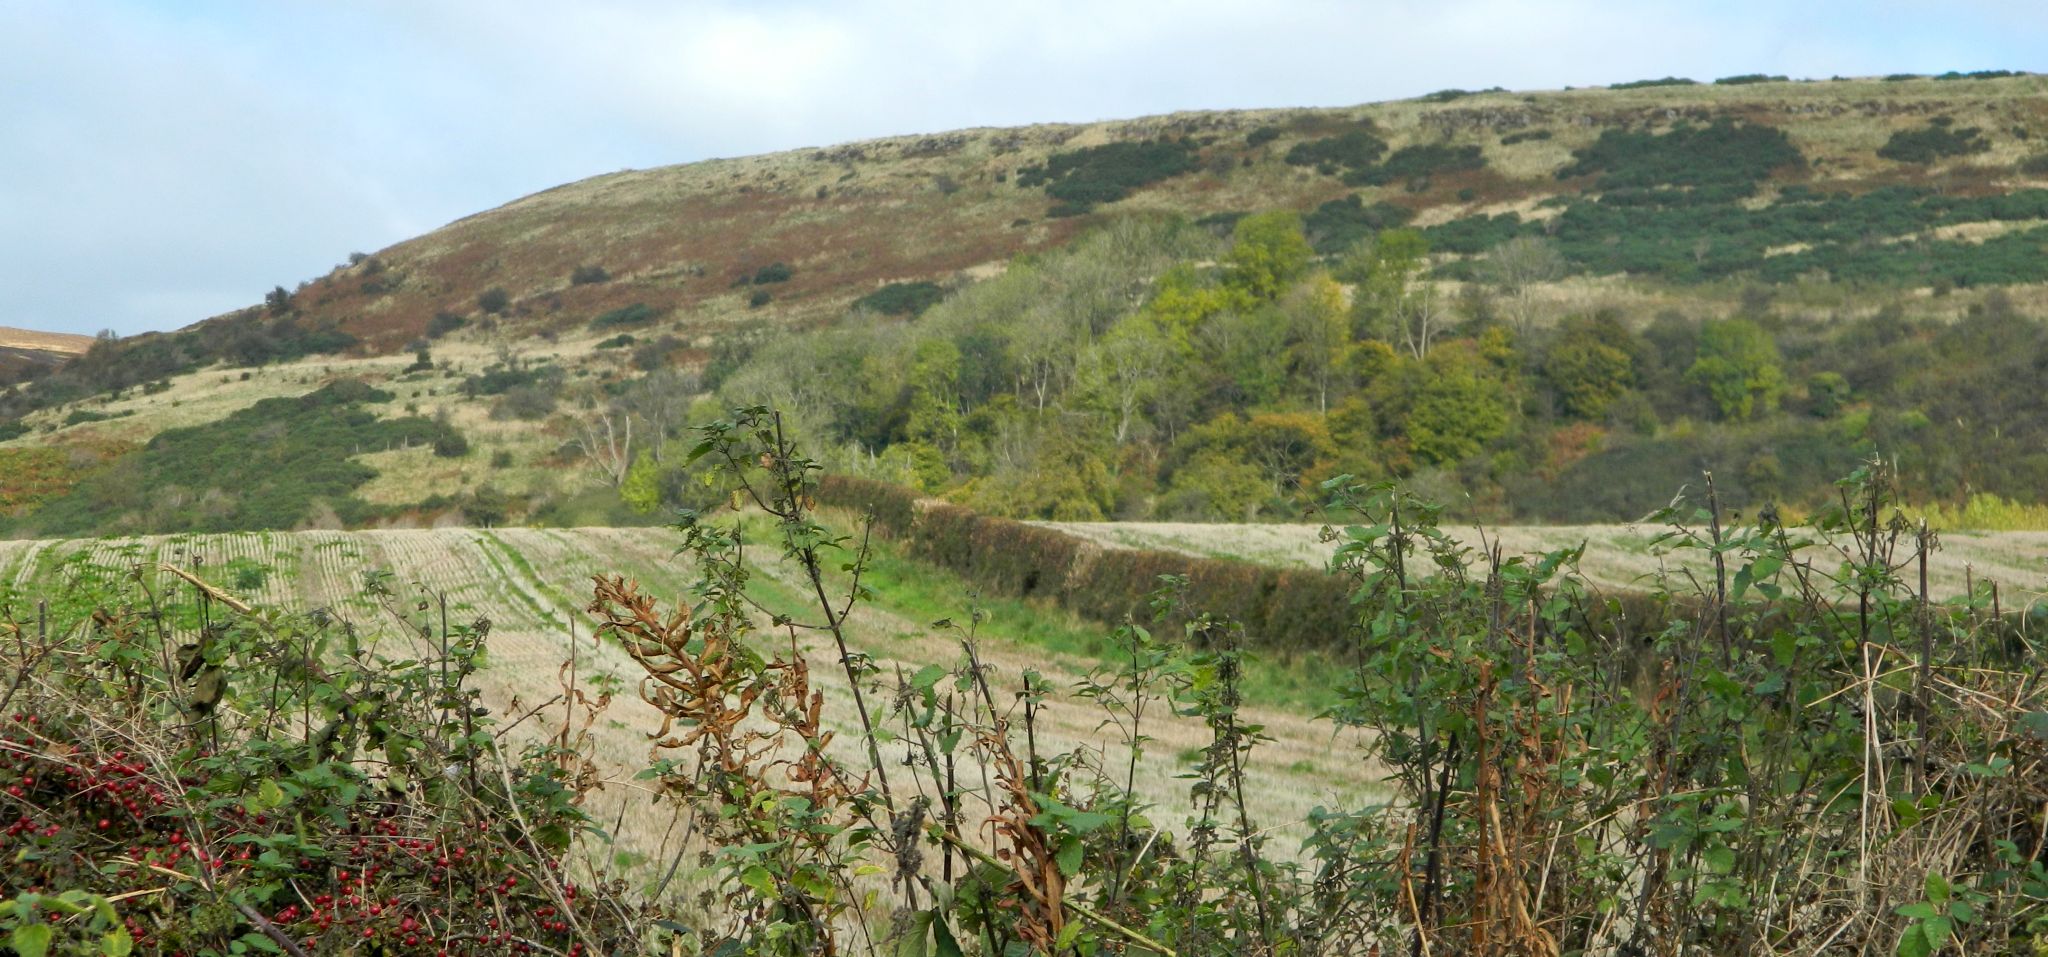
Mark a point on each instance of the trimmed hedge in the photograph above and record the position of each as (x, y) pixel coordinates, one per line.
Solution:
(1292, 609)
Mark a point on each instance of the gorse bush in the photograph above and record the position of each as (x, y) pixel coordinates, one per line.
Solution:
(637, 314)
(1647, 84)
(1084, 178)
(1725, 156)
(1937, 140)
(902, 299)
(264, 467)
(1355, 151)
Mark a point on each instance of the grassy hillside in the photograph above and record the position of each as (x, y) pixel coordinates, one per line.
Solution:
(1509, 298)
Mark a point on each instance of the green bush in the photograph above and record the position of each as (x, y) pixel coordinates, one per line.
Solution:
(637, 314)
(444, 323)
(1645, 84)
(1937, 140)
(1748, 78)
(1084, 178)
(1262, 136)
(494, 300)
(902, 299)
(262, 467)
(772, 273)
(1339, 224)
(1345, 152)
(1412, 162)
(1726, 155)
(588, 275)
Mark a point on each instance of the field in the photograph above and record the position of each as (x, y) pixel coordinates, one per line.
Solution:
(1617, 556)
(533, 583)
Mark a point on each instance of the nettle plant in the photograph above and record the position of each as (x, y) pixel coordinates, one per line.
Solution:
(189, 774)
(1784, 747)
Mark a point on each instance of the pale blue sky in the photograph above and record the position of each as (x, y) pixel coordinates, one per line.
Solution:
(161, 162)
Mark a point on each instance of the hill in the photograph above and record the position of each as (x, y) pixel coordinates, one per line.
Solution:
(1511, 298)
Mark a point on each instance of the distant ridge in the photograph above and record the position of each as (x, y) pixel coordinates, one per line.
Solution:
(60, 343)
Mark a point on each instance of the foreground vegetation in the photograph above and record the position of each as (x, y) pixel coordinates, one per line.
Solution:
(1804, 752)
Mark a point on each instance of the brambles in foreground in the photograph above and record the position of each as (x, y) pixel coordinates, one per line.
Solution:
(275, 782)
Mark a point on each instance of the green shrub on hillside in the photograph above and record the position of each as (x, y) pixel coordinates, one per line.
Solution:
(1084, 178)
(1745, 79)
(264, 467)
(637, 314)
(1340, 224)
(902, 299)
(1646, 84)
(1939, 139)
(1411, 162)
(1982, 75)
(1345, 152)
(494, 301)
(1726, 155)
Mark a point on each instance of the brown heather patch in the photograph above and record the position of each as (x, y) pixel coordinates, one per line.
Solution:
(853, 216)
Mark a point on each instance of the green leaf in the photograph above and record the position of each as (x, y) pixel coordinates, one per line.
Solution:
(758, 878)
(31, 940)
(1720, 859)
(117, 943)
(1937, 888)
(942, 938)
(927, 677)
(912, 943)
(1914, 943)
(1069, 858)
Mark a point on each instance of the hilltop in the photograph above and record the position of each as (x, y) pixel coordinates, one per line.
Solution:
(1536, 292)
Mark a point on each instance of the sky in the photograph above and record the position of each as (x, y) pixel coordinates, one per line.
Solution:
(162, 162)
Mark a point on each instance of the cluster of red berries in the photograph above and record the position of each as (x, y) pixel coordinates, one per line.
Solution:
(379, 880)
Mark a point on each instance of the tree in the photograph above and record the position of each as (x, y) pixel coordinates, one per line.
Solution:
(1516, 267)
(1269, 253)
(1126, 365)
(1739, 367)
(1321, 334)
(1589, 367)
(605, 437)
(1394, 301)
(1458, 408)
(641, 489)
(278, 301)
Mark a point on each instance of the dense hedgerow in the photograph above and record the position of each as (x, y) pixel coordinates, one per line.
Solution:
(1025, 561)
